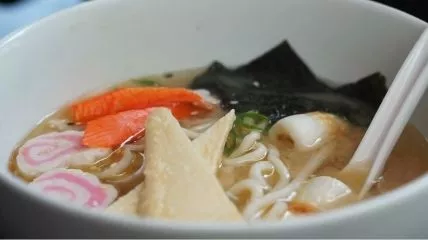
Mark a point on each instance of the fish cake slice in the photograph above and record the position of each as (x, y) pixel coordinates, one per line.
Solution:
(210, 144)
(126, 204)
(178, 184)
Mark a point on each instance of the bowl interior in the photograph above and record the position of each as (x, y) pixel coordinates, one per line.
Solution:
(100, 43)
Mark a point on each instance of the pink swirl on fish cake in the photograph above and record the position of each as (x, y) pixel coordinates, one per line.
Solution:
(76, 187)
(50, 151)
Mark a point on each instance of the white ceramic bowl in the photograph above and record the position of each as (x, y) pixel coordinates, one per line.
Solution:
(102, 42)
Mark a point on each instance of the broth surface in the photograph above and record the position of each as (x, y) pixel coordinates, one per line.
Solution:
(407, 162)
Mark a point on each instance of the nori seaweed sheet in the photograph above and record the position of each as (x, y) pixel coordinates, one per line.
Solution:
(278, 84)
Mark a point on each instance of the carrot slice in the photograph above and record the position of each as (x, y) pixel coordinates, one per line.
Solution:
(131, 99)
(113, 130)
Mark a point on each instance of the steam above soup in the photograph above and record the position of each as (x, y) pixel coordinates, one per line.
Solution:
(264, 141)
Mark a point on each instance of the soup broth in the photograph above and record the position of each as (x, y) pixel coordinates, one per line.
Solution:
(274, 159)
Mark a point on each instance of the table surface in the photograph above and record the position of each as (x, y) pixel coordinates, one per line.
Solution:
(24, 12)
(18, 13)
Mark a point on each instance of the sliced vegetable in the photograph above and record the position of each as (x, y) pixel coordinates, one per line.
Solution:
(253, 120)
(113, 130)
(76, 187)
(125, 99)
(245, 123)
(179, 184)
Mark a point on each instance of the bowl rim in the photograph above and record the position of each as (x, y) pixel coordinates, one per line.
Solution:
(397, 196)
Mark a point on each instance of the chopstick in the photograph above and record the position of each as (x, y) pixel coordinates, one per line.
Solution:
(394, 112)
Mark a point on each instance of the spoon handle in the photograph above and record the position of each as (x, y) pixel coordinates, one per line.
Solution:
(382, 121)
(396, 129)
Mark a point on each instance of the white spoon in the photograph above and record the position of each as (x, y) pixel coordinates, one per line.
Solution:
(393, 114)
